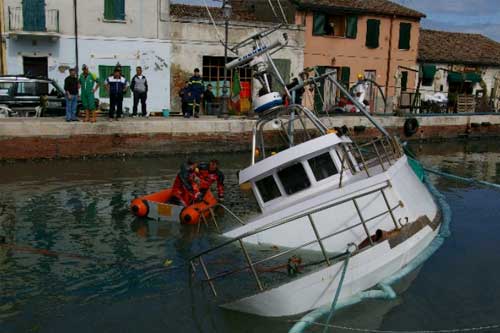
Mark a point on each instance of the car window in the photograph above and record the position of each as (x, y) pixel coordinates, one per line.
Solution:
(32, 88)
(54, 90)
(7, 88)
(294, 178)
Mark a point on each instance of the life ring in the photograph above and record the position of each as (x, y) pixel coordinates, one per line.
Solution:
(410, 126)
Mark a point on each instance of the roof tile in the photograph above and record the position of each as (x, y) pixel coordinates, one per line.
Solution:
(457, 48)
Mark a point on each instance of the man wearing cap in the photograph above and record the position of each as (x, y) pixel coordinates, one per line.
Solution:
(116, 85)
(196, 88)
(71, 94)
(88, 85)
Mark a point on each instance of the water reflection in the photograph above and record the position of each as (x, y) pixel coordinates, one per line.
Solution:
(88, 253)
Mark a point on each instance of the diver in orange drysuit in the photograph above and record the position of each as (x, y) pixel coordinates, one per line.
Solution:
(185, 189)
(208, 174)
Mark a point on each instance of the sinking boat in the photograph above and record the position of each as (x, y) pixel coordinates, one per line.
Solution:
(159, 206)
(323, 198)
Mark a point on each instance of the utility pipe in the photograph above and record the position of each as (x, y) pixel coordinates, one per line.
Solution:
(75, 13)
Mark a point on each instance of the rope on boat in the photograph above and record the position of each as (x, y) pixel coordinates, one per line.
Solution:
(339, 288)
(385, 291)
(453, 330)
(463, 179)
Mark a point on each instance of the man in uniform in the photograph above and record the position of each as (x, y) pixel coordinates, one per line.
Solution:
(88, 85)
(196, 88)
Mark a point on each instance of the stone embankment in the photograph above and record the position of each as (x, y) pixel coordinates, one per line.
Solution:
(29, 138)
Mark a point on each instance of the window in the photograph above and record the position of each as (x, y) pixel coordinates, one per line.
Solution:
(428, 73)
(322, 166)
(268, 189)
(404, 36)
(107, 71)
(335, 25)
(372, 33)
(213, 73)
(114, 10)
(294, 178)
(32, 88)
(404, 80)
(7, 88)
(345, 75)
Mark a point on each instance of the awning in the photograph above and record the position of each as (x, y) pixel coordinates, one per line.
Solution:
(428, 72)
(454, 77)
(473, 77)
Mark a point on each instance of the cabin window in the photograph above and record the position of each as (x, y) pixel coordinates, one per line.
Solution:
(268, 188)
(294, 178)
(323, 166)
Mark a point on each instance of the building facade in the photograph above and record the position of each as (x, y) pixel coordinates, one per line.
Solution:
(196, 44)
(377, 39)
(461, 66)
(45, 37)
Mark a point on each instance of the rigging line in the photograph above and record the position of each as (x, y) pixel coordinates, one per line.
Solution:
(272, 7)
(282, 12)
(214, 24)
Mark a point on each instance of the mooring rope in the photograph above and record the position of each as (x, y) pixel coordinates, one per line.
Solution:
(453, 330)
(463, 179)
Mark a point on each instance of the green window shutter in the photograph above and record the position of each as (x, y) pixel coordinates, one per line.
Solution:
(119, 9)
(319, 21)
(372, 33)
(404, 80)
(352, 26)
(107, 71)
(345, 75)
(114, 9)
(404, 36)
(109, 10)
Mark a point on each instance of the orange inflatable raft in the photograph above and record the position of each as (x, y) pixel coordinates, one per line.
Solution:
(156, 206)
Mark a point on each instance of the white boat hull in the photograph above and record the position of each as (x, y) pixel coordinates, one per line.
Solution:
(365, 270)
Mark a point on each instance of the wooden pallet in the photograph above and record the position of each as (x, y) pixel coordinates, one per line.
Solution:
(465, 103)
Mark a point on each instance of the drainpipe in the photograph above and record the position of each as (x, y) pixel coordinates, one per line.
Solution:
(75, 11)
(389, 59)
(3, 61)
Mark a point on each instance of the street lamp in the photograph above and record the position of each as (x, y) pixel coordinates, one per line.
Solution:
(226, 12)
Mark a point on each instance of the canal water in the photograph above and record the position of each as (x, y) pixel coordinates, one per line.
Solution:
(77, 261)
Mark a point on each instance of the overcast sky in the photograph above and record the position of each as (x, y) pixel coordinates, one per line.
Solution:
(478, 16)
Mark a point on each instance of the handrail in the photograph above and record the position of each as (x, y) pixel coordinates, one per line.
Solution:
(287, 220)
(252, 265)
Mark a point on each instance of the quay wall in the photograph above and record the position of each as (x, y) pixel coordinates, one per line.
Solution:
(28, 138)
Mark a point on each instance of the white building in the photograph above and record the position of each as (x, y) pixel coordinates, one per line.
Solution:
(459, 64)
(40, 38)
(195, 44)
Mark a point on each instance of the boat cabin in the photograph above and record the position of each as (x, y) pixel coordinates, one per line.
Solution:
(298, 172)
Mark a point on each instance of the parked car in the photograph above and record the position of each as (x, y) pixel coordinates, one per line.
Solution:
(23, 94)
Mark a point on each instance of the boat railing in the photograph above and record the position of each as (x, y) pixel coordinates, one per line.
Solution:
(209, 213)
(381, 151)
(317, 239)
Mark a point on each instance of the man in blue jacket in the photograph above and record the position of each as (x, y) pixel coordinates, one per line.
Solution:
(196, 88)
(117, 86)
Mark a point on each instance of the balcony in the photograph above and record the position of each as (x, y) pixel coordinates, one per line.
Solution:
(36, 23)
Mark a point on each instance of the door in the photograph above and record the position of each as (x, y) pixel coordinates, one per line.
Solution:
(34, 15)
(35, 66)
(326, 92)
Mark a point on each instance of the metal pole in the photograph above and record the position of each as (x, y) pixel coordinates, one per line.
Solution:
(75, 9)
(250, 265)
(362, 221)
(225, 101)
(316, 233)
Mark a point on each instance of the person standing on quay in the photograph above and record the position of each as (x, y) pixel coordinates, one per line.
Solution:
(89, 85)
(116, 85)
(196, 88)
(71, 94)
(139, 86)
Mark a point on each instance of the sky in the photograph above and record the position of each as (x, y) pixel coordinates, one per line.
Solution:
(474, 16)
